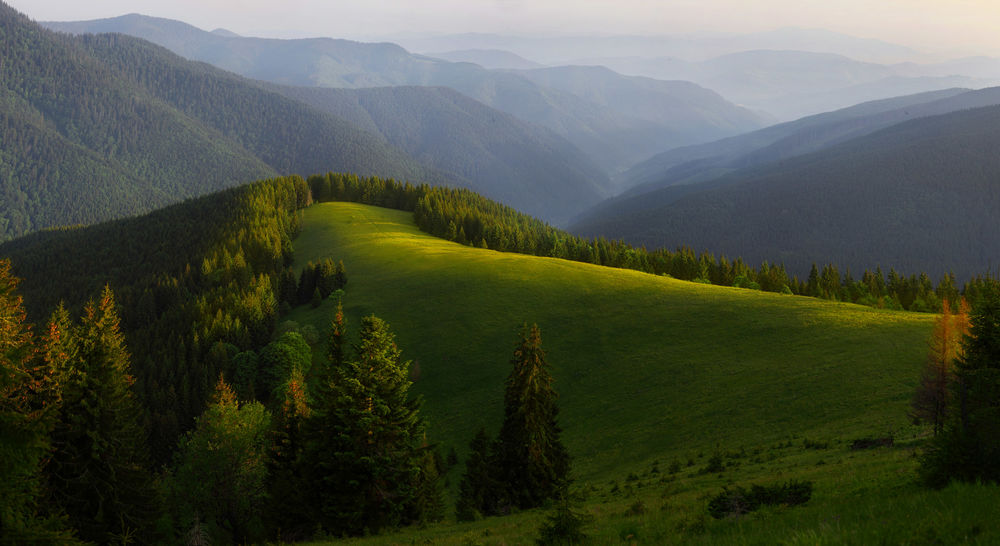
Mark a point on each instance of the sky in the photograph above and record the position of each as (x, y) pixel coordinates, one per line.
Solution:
(932, 26)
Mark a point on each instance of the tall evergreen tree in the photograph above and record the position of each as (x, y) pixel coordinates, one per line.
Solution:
(97, 471)
(969, 448)
(530, 459)
(364, 452)
(28, 396)
(287, 508)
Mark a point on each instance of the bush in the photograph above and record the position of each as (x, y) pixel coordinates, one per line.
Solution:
(738, 500)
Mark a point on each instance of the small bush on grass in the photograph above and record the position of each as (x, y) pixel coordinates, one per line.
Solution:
(738, 500)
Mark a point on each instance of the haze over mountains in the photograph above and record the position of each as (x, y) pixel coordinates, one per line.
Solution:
(99, 127)
(909, 183)
(556, 140)
(594, 124)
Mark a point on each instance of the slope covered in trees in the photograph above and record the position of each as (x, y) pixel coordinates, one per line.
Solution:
(595, 123)
(102, 127)
(705, 162)
(491, 152)
(917, 196)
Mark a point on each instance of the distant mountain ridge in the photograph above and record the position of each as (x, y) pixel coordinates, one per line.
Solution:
(99, 127)
(791, 84)
(487, 58)
(613, 140)
(489, 151)
(919, 195)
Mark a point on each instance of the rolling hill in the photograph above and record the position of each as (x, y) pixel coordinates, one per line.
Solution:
(655, 375)
(635, 357)
(614, 141)
(100, 127)
(917, 196)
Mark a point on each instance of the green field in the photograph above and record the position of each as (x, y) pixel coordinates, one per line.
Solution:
(650, 370)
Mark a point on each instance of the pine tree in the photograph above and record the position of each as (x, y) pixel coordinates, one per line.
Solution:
(287, 509)
(531, 461)
(969, 447)
(364, 439)
(97, 473)
(29, 394)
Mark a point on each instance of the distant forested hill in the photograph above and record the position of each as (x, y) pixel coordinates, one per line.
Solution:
(525, 166)
(99, 127)
(922, 195)
(594, 122)
(707, 161)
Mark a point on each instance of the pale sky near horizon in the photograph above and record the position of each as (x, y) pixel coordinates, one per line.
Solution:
(933, 26)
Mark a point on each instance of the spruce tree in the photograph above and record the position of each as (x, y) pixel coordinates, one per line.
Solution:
(287, 509)
(530, 460)
(364, 452)
(97, 472)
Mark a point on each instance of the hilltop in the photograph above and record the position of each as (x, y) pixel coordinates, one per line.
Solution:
(636, 358)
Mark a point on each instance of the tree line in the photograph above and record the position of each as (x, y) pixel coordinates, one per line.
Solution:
(467, 218)
(288, 451)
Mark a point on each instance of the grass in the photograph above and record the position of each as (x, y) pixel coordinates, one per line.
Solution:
(651, 369)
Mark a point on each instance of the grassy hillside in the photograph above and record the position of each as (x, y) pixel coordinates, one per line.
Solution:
(656, 375)
(644, 365)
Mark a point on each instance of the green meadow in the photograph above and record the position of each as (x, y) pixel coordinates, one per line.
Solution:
(655, 377)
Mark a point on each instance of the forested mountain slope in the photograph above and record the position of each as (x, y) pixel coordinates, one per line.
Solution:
(921, 195)
(614, 140)
(107, 126)
(707, 161)
(493, 153)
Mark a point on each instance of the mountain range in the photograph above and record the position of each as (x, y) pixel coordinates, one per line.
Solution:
(614, 140)
(910, 184)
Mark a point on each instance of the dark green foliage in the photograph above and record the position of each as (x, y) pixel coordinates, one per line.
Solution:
(199, 273)
(97, 473)
(737, 500)
(715, 464)
(217, 485)
(530, 460)
(969, 447)
(364, 460)
(478, 490)
(278, 360)
(29, 397)
(288, 512)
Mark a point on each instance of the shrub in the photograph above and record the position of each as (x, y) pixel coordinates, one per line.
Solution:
(738, 500)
